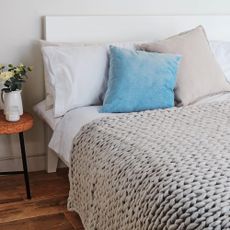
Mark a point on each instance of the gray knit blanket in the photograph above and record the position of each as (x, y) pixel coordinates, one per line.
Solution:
(161, 169)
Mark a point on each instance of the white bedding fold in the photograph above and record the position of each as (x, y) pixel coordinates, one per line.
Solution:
(70, 125)
(46, 115)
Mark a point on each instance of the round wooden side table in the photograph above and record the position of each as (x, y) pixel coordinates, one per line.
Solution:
(25, 123)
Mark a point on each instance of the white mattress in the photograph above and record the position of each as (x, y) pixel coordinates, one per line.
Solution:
(72, 122)
(46, 115)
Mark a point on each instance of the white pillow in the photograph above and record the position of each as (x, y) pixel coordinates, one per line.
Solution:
(49, 100)
(77, 75)
(96, 57)
(50, 87)
(221, 51)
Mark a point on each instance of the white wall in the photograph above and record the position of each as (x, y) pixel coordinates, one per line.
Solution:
(21, 26)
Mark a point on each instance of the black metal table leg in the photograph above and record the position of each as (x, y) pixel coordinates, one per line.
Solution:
(25, 170)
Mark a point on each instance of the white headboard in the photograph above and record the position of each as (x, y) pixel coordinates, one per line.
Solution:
(123, 28)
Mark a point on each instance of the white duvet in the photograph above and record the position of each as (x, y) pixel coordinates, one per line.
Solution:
(66, 129)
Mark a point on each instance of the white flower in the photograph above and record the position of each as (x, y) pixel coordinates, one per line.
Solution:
(17, 70)
(4, 76)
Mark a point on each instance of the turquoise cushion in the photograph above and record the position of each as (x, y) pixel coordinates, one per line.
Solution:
(140, 81)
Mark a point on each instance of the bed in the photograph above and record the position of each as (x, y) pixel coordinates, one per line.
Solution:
(122, 173)
(99, 29)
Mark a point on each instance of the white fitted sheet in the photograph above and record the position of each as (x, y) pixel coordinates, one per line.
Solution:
(46, 115)
(70, 125)
(74, 120)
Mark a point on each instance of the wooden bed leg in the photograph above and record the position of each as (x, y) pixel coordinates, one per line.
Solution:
(52, 161)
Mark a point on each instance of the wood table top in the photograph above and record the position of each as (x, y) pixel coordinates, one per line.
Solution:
(8, 127)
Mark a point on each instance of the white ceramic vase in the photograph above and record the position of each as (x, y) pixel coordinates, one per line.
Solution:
(12, 105)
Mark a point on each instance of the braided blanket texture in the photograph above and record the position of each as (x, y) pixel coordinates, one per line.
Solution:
(161, 169)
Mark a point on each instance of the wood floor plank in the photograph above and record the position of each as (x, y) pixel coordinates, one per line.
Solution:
(41, 183)
(47, 208)
(28, 209)
(15, 196)
(74, 219)
(50, 222)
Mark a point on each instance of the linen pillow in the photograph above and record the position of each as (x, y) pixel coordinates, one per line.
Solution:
(221, 51)
(139, 81)
(199, 74)
(49, 100)
(77, 74)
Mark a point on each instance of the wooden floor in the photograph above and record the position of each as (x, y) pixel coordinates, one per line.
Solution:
(47, 208)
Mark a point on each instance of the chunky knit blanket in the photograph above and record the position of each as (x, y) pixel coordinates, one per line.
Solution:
(162, 169)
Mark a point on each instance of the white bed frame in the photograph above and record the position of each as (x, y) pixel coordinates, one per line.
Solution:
(95, 29)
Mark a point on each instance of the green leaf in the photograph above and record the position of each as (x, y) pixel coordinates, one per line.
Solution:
(30, 68)
(7, 83)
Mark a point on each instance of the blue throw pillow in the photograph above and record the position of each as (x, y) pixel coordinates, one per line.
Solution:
(140, 81)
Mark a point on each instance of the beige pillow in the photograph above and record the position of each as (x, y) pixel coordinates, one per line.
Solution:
(199, 74)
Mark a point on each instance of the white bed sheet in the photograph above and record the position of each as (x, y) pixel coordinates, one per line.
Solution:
(70, 125)
(46, 115)
(74, 120)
